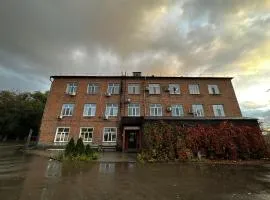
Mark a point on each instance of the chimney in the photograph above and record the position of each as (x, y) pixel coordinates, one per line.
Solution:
(137, 74)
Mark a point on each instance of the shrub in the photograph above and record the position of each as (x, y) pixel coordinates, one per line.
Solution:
(163, 141)
(70, 148)
(80, 149)
(88, 150)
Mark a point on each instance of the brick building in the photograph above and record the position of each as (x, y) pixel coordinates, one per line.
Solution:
(110, 110)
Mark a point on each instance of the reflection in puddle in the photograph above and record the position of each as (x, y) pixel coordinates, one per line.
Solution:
(54, 169)
(107, 167)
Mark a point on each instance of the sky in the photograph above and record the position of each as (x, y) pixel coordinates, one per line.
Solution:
(39, 38)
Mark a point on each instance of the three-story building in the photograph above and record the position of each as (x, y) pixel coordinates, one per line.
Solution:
(110, 110)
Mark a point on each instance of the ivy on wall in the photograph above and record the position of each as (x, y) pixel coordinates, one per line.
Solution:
(163, 141)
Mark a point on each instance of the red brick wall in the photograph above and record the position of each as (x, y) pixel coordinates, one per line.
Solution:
(57, 97)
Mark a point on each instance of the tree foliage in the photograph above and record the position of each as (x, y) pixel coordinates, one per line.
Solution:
(20, 112)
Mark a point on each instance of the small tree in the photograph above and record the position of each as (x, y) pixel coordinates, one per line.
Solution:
(80, 149)
(88, 150)
(70, 148)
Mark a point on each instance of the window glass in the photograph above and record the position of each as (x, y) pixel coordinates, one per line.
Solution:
(134, 109)
(109, 135)
(61, 135)
(133, 88)
(218, 110)
(113, 88)
(89, 109)
(155, 110)
(92, 88)
(71, 88)
(154, 89)
(111, 110)
(177, 110)
(86, 134)
(197, 110)
(213, 89)
(67, 109)
(194, 89)
(174, 88)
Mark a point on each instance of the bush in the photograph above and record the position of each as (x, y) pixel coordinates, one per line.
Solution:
(78, 152)
(163, 141)
(80, 149)
(88, 150)
(70, 148)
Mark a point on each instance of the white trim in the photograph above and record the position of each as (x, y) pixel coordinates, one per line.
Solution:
(57, 132)
(92, 134)
(115, 136)
(132, 128)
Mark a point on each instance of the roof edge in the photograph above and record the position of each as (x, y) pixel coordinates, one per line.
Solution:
(140, 77)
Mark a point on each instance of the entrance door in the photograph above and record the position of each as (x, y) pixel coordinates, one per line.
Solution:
(132, 139)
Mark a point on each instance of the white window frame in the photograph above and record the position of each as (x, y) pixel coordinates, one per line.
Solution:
(113, 88)
(198, 110)
(71, 88)
(134, 109)
(92, 88)
(89, 139)
(89, 106)
(177, 110)
(62, 139)
(156, 110)
(67, 109)
(154, 88)
(110, 141)
(133, 88)
(213, 89)
(111, 110)
(218, 110)
(174, 88)
(194, 88)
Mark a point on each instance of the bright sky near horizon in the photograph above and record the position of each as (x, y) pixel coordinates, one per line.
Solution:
(168, 37)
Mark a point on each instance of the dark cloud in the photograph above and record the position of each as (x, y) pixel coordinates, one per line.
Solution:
(195, 37)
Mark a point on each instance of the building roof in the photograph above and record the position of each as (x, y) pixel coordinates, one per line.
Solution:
(138, 77)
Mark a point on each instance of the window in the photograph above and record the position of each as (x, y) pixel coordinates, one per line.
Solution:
(155, 110)
(154, 89)
(71, 88)
(92, 88)
(194, 89)
(218, 110)
(177, 110)
(213, 89)
(133, 88)
(111, 110)
(174, 88)
(113, 88)
(67, 109)
(197, 110)
(109, 135)
(134, 109)
(61, 134)
(86, 134)
(89, 109)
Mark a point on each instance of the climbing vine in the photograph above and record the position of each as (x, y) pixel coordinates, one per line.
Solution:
(164, 141)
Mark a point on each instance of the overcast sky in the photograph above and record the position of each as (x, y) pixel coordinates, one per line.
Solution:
(39, 38)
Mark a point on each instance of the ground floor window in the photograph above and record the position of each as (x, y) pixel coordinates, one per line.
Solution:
(62, 134)
(86, 134)
(109, 134)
